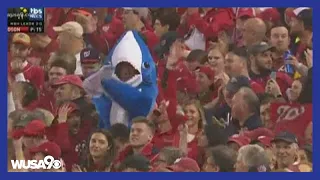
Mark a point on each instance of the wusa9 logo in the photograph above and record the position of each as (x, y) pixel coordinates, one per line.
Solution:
(47, 163)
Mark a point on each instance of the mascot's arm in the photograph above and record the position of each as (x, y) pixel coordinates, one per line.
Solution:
(137, 103)
(103, 106)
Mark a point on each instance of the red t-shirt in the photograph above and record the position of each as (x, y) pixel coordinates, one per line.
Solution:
(71, 145)
(47, 100)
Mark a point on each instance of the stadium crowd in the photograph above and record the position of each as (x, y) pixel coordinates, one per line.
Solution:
(234, 91)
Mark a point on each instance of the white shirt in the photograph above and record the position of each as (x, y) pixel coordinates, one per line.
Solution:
(78, 65)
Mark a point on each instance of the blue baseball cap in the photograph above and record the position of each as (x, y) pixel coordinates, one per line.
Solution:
(89, 56)
(286, 137)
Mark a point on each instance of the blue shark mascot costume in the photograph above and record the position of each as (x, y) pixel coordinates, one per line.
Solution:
(117, 101)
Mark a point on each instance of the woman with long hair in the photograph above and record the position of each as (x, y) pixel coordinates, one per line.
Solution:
(191, 131)
(99, 153)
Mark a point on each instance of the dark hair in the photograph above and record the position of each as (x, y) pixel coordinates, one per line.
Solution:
(171, 154)
(137, 161)
(266, 98)
(306, 17)
(224, 157)
(277, 25)
(215, 135)
(197, 55)
(144, 120)
(309, 156)
(31, 93)
(170, 18)
(121, 132)
(69, 58)
(62, 64)
(239, 51)
(109, 156)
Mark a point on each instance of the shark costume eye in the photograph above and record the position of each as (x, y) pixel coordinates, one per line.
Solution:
(146, 65)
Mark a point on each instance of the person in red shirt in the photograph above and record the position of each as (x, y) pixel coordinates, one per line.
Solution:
(19, 68)
(300, 24)
(270, 16)
(141, 134)
(236, 64)
(102, 151)
(167, 157)
(34, 134)
(167, 121)
(205, 81)
(191, 130)
(68, 88)
(120, 134)
(135, 19)
(47, 149)
(279, 38)
(135, 163)
(68, 131)
(265, 101)
(242, 15)
(168, 21)
(261, 68)
(213, 21)
(184, 164)
(58, 69)
(215, 60)
(57, 17)
(25, 96)
(236, 141)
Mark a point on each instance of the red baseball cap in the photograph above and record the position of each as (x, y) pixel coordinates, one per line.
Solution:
(35, 128)
(271, 14)
(185, 165)
(48, 148)
(254, 134)
(265, 140)
(250, 12)
(17, 133)
(240, 140)
(69, 79)
(207, 71)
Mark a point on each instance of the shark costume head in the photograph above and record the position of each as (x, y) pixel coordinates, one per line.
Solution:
(131, 89)
(131, 53)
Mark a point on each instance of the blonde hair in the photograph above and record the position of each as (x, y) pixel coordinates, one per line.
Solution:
(199, 107)
(222, 47)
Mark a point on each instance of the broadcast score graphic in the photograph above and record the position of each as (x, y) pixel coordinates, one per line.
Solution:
(26, 20)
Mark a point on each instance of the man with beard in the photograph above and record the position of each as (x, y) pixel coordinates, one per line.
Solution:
(236, 65)
(261, 68)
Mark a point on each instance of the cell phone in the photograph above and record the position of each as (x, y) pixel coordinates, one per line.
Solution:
(273, 75)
